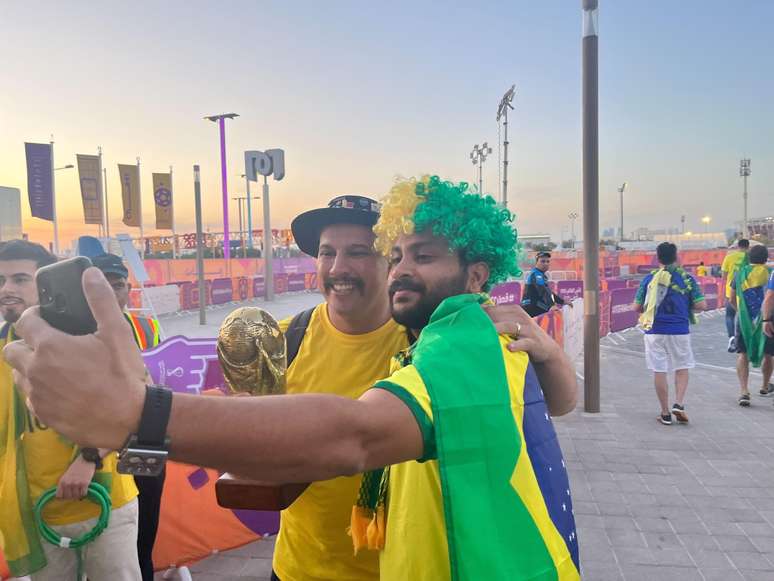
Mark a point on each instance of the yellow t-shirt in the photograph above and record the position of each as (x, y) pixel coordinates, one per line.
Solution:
(313, 544)
(701, 270)
(48, 455)
(729, 267)
(416, 545)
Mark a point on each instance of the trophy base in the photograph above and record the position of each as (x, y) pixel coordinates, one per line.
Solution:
(240, 493)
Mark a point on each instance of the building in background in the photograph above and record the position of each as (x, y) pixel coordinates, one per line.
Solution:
(694, 240)
(10, 213)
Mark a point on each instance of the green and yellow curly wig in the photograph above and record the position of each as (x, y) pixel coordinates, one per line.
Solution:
(473, 224)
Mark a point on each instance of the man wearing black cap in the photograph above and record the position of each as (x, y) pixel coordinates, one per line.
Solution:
(146, 335)
(354, 324)
(538, 297)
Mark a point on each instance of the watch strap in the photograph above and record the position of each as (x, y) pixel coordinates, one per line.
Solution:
(155, 416)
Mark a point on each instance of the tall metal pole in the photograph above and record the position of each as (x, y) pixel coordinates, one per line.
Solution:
(174, 236)
(53, 200)
(102, 189)
(224, 187)
(107, 209)
(744, 171)
(249, 214)
(199, 247)
(502, 113)
(139, 191)
(590, 75)
(239, 200)
(505, 160)
(268, 268)
(621, 227)
(221, 120)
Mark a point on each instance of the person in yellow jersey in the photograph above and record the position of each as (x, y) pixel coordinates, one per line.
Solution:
(343, 345)
(34, 458)
(465, 478)
(701, 270)
(146, 336)
(731, 263)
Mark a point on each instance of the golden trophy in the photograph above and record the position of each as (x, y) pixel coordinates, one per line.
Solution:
(252, 355)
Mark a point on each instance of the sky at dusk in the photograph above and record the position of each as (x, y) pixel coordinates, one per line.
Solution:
(359, 92)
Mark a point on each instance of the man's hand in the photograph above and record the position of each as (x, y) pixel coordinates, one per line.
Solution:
(75, 481)
(768, 329)
(90, 388)
(554, 369)
(528, 335)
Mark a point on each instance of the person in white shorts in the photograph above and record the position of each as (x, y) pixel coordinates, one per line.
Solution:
(667, 299)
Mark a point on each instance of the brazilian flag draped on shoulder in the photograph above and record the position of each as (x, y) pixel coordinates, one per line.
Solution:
(18, 535)
(504, 486)
(750, 328)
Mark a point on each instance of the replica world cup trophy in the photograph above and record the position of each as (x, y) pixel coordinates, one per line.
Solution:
(253, 357)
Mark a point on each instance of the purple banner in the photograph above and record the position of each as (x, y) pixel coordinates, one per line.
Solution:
(222, 291)
(615, 284)
(259, 288)
(296, 282)
(294, 265)
(623, 313)
(570, 289)
(711, 294)
(507, 293)
(39, 186)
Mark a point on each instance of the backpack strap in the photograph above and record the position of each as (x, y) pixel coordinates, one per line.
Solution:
(295, 333)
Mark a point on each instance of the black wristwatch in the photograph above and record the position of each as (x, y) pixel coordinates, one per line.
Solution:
(92, 455)
(145, 453)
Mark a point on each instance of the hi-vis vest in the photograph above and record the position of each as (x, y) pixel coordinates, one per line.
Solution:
(146, 331)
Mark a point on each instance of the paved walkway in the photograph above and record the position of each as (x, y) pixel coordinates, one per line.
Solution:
(652, 502)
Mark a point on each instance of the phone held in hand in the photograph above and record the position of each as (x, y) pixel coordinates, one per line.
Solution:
(62, 302)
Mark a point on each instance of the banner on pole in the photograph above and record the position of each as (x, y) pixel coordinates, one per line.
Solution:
(130, 193)
(40, 187)
(162, 199)
(91, 188)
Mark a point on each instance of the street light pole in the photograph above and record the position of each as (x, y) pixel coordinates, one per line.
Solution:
(199, 247)
(239, 200)
(621, 193)
(744, 171)
(221, 121)
(502, 113)
(590, 92)
(478, 157)
(572, 216)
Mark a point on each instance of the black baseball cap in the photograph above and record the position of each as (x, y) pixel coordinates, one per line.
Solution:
(308, 226)
(110, 264)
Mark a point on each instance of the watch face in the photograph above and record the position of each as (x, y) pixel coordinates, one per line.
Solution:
(142, 462)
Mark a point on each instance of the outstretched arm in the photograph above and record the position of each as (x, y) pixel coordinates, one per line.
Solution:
(91, 389)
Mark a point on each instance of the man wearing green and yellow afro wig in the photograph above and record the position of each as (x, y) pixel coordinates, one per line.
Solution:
(489, 497)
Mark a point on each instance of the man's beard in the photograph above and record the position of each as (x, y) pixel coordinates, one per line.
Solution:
(418, 315)
(12, 313)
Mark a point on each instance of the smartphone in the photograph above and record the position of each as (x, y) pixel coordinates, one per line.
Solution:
(62, 302)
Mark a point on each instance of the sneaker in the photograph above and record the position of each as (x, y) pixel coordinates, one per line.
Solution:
(732, 345)
(679, 413)
(744, 400)
(665, 419)
(766, 391)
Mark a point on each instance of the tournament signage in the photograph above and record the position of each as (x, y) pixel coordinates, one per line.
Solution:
(40, 187)
(162, 199)
(91, 187)
(130, 193)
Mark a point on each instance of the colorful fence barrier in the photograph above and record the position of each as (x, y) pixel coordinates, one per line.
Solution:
(623, 313)
(507, 293)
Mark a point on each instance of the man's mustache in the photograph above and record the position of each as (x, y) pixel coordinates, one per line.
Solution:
(356, 282)
(404, 284)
